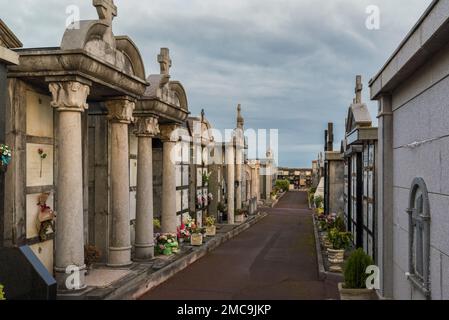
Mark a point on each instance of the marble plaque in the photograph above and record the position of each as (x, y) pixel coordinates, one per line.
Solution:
(132, 173)
(185, 199)
(44, 252)
(39, 172)
(39, 115)
(32, 211)
(178, 201)
(133, 141)
(199, 177)
(132, 205)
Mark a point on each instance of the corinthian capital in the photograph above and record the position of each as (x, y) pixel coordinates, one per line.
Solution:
(69, 95)
(170, 133)
(121, 110)
(147, 127)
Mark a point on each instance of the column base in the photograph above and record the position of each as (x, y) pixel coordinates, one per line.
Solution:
(143, 252)
(119, 257)
(71, 282)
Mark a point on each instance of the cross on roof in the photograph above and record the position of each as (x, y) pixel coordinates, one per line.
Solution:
(358, 89)
(106, 10)
(164, 60)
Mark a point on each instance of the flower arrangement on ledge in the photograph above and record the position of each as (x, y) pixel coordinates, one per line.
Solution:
(166, 244)
(5, 155)
(2, 293)
(183, 233)
(211, 229)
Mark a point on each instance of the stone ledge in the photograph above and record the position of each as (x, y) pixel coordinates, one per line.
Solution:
(143, 277)
(322, 273)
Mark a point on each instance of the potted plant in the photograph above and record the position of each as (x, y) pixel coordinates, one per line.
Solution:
(205, 178)
(166, 244)
(5, 156)
(318, 201)
(91, 256)
(2, 293)
(240, 216)
(156, 225)
(196, 239)
(340, 242)
(211, 229)
(183, 233)
(354, 287)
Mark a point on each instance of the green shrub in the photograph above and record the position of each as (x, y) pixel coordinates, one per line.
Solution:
(318, 200)
(2, 293)
(355, 270)
(340, 240)
(340, 223)
(284, 185)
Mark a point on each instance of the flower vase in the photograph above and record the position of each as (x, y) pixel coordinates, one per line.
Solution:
(196, 239)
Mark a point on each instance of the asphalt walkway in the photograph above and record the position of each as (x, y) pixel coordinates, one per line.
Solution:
(273, 260)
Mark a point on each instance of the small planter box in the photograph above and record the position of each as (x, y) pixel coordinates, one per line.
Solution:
(196, 240)
(356, 294)
(211, 231)
(240, 218)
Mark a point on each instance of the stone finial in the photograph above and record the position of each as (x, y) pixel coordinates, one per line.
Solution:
(106, 10)
(147, 127)
(164, 60)
(240, 120)
(121, 110)
(69, 95)
(358, 89)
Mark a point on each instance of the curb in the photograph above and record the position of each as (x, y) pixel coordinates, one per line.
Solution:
(275, 202)
(145, 282)
(322, 273)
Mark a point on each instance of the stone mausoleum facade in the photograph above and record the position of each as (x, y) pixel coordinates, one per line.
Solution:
(107, 147)
(413, 190)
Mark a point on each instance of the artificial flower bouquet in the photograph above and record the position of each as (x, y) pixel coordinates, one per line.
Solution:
(166, 244)
(5, 154)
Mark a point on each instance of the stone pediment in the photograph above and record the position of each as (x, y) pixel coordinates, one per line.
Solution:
(7, 37)
(358, 116)
(97, 39)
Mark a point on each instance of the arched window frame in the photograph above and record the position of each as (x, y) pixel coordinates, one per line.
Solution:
(419, 217)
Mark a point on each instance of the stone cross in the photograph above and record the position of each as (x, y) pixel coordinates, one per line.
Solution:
(240, 120)
(164, 60)
(106, 10)
(358, 89)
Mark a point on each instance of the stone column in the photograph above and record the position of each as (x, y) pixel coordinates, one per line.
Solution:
(169, 139)
(385, 195)
(120, 116)
(69, 99)
(230, 167)
(238, 168)
(147, 128)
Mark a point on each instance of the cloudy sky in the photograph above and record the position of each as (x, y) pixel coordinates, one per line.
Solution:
(290, 63)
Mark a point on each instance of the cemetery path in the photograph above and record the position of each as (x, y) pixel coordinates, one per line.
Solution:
(273, 260)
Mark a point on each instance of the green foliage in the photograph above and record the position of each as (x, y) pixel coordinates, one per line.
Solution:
(339, 240)
(156, 223)
(2, 293)
(221, 207)
(283, 185)
(355, 270)
(340, 223)
(210, 221)
(318, 200)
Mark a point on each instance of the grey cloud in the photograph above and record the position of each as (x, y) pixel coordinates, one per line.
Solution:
(291, 63)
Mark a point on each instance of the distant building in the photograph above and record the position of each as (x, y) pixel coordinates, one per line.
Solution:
(299, 178)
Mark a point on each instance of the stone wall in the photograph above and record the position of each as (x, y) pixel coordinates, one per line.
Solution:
(336, 186)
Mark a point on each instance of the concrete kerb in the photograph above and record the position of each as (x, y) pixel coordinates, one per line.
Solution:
(275, 202)
(134, 288)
